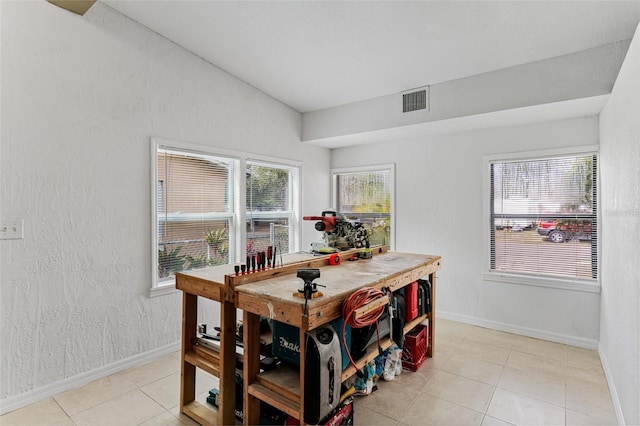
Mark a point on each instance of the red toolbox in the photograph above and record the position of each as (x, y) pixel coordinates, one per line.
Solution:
(411, 295)
(415, 348)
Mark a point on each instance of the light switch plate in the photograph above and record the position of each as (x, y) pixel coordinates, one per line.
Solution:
(12, 230)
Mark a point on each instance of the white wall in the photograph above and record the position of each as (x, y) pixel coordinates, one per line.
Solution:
(439, 194)
(620, 204)
(547, 81)
(81, 96)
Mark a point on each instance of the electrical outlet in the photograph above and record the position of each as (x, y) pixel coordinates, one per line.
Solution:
(12, 230)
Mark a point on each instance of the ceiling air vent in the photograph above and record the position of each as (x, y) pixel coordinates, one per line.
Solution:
(415, 100)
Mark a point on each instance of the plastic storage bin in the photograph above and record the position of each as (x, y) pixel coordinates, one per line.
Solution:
(415, 348)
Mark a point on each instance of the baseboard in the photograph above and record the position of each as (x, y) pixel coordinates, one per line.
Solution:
(612, 387)
(525, 331)
(18, 401)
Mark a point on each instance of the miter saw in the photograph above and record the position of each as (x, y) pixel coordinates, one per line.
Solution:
(338, 233)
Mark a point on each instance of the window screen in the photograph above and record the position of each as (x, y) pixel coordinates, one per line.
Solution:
(544, 216)
(366, 196)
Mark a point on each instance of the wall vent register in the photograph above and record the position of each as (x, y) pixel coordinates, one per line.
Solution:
(415, 101)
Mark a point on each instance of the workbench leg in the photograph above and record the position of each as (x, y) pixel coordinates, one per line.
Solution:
(303, 348)
(227, 366)
(251, 366)
(188, 371)
(431, 349)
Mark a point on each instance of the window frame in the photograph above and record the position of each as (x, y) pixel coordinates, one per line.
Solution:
(391, 167)
(294, 202)
(539, 280)
(238, 217)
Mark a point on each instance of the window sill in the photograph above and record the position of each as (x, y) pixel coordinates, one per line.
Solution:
(168, 288)
(548, 282)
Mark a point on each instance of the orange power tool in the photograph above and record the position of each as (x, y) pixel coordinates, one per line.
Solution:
(326, 222)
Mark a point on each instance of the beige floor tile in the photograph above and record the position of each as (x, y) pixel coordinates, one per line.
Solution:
(492, 337)
(584, 364)
(175, 411)
(94, 393)
(131, 408)
(39, 413)
(164, 419)
(446, 345)
(534, 363)
(523, 410)
(430, 410)
(575, 418)
(152, 371)
(591, 398)
(426, 370)
(482, 371)
(165, 392)
(583, 358)
(205, 381)
(484, 352)
(366, 416)
(390, 404)
(176, 355)
(544, 386)
(594, 375)
(441, 355)
(408, 381)
(541, 348)
(492, 421)
(451, 331)
(460, 390)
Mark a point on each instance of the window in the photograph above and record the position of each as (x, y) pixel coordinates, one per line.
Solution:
(543, 216)
(366, 195)
(197, 195)
(271, 206)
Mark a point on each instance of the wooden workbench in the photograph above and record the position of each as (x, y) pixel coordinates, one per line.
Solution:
(208, 283)
(271, 295)
(217, 284)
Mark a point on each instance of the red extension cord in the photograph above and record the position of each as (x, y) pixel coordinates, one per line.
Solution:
(358, 299)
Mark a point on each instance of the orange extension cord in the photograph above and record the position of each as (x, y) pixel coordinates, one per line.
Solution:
(358, 299)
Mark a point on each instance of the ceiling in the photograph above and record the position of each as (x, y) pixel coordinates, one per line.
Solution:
(313, 55)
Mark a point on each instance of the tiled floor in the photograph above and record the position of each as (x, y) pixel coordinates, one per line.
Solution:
(478, 377)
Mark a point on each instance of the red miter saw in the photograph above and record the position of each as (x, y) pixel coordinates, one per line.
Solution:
(338, 233)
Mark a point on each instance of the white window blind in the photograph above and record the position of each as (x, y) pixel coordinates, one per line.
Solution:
(366, 196)
(272, 206)
(543, 215)
(194, 210)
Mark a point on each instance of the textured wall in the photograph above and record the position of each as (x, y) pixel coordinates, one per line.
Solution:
(439, 198)
(620, 204)
(81, 96)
